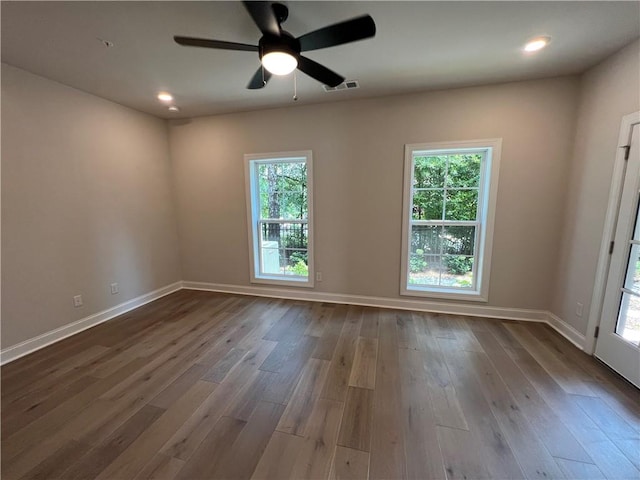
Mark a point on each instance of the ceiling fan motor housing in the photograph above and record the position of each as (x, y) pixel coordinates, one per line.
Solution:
(286, 43)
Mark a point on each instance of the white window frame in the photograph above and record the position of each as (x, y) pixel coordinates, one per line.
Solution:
(252, 161)
(484, 225)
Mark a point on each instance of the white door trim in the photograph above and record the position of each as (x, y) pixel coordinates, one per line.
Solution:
(604, 258)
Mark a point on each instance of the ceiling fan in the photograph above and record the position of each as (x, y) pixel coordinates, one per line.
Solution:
(279, 51)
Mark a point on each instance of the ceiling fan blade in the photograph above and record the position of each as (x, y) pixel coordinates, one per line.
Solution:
(319, 72)
(259, 79)
(206, 43)
(264, 17)
(344, 32)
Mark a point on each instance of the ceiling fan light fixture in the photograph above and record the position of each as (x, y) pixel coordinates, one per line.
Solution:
(279, 63)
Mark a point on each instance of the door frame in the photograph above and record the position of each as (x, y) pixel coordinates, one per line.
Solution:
(610, 223)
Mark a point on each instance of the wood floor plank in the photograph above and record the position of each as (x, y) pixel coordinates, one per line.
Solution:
(387, 444)
(461, 467)
(316, 452)
(31, 444)
(216, 444)
(557, 438)
(250, 444)
(604, 454)
(330, 335)
(613, 389)
(284, 323)
(173, 391)
(95, 461)
(349, 464)
(33, 408)
(422, 452)
(579, 470)
(567, 379)
(55, 374)
(279, 457)
(210, 385)
(363, 370)
(355, 429)
(320, 316)
(283, 383)
(464, 334)
(249, 396)
(534, 459)
(337, 383)
(370, 323)
(441, 392)
(142, 450)
(220, 369)
(194, 429)
(406, 331)
(55, 466)
(296, 416)
(438, 325)
(484, 427)
(623, 435)
(161, 467)
(125, 399)
(299, 324)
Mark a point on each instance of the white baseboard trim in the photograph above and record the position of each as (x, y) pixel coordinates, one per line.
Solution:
(566, 330)
(473, 310)
(14, 352)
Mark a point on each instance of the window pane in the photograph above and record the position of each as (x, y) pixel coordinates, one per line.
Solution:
(270, 258)
(459, 240)
(284, 249)
(461, 205)
(463, 170)
(429, 171)
(424, 270)
(458, 271)
(632, 280)
(425, 239)
(628, 326)
(427, 204)
(283, 190)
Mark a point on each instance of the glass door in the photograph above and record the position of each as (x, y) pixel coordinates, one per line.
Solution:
(619, 339)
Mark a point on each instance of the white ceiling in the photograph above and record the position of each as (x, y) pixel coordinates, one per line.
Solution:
(418, 46)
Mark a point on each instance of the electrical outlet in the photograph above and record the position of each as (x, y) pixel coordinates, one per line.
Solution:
(114, 288)
(77, 301)
(579, 308)
(318, 276)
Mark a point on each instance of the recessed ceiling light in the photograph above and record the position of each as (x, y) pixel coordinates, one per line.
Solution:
(165, 97)
(173, 108)
(537, 44)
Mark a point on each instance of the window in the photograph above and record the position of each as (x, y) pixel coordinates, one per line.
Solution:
(279, 209)
(449, 202)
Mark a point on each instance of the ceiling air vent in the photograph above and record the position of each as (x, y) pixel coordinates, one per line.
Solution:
(348, 85)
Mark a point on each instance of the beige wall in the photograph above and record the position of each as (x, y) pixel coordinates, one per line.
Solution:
(358, 161)
(86, 201)
(608, 92)
(87, 196)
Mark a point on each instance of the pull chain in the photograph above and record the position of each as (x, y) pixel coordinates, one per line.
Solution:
(295, 87)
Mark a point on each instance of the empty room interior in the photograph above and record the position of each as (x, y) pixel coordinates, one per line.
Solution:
(310, 240)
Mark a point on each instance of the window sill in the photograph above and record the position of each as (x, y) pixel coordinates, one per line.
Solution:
(292, 282)
(449, 294)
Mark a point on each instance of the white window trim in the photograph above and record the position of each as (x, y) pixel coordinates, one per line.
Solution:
(485, 242)
(253, 217)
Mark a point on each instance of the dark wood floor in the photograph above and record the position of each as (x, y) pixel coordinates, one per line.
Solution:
(204, 385)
